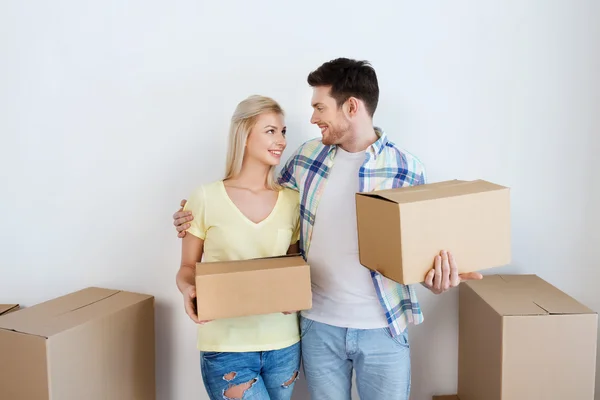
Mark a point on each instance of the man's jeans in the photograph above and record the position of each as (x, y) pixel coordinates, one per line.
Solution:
(381, 362)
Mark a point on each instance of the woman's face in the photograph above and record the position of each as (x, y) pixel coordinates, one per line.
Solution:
(266, 141)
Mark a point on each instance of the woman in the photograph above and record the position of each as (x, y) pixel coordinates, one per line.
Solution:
(245, 215)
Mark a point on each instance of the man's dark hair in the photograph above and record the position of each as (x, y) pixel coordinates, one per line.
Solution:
(348, 78)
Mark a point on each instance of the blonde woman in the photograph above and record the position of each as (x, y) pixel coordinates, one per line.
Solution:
(245, 215)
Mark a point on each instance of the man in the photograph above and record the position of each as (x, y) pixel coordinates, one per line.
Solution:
(359, 318)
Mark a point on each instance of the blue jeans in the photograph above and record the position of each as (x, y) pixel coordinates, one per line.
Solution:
(271, 374)
(381, 362)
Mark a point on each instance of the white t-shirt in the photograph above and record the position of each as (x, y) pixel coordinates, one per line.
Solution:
(343, 290)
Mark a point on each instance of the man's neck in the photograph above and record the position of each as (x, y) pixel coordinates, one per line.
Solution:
(360, 139)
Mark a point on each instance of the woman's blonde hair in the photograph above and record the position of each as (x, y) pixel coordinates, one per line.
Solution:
(243, 120)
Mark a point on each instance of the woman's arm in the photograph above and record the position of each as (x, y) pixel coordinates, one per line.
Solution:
(192, 249)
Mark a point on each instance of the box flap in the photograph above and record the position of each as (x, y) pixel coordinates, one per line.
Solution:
(62, 313)
(255, 264)
(525, 295)
(6, 308)
(388, 194)
(432, 191)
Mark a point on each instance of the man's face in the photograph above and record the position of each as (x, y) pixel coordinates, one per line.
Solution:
(332, 121)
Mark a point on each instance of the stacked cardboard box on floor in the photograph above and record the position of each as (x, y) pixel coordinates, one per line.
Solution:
(519, 337)
(522, 338)
(400, 231)
(93, 344)
(228, 289)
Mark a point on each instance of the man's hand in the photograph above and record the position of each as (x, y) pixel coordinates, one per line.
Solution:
(181, 220)
(289, 312)
(189, 301)
(444, 274)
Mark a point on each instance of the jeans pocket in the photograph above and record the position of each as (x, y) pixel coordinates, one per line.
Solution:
(209, 355)
(305, 325)
(400, 339)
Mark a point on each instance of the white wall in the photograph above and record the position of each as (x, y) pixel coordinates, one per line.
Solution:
(111, 112)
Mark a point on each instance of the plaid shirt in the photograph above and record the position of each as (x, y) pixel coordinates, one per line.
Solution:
(385, 167)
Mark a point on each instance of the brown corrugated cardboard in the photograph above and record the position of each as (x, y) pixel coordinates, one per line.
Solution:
(400, 231)
(6, 308)
(93, 344)
(446, 397)
(227, 289)
(522, 338)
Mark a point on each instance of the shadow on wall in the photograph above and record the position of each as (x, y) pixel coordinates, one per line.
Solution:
(164, 322)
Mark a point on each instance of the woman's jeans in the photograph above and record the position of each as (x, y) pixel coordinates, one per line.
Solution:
(266, 374)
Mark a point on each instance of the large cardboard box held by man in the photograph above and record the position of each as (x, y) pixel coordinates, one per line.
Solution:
(93, 344)
(228, 289)
(400, 231)
(6, 308)
(522, 338)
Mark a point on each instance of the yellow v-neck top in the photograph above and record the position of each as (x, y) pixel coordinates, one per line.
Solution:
(229, 235)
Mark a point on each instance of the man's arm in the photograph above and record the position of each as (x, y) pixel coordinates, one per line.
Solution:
(287, 177)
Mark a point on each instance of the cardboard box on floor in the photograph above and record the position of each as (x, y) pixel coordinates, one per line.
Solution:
(228, 289)
(522, 338)
(446, 397)
(6, 308)
(93, 344)
(400, 231)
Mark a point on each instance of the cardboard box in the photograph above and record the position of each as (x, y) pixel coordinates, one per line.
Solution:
(446, 397)
(6, 308)
(400, 231)
(522, 338)
(93, 344)
(228, 289)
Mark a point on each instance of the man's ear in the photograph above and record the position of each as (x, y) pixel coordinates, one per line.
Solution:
(352, 106)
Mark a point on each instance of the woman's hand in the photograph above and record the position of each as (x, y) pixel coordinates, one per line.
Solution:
(191, 253)
(189, 301)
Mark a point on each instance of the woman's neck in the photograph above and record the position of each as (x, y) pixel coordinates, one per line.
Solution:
(253, 176)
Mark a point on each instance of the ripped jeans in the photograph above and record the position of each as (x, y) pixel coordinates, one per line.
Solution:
(260, 375)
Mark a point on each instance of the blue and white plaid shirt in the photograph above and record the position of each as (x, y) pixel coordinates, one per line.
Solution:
(385, 167)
